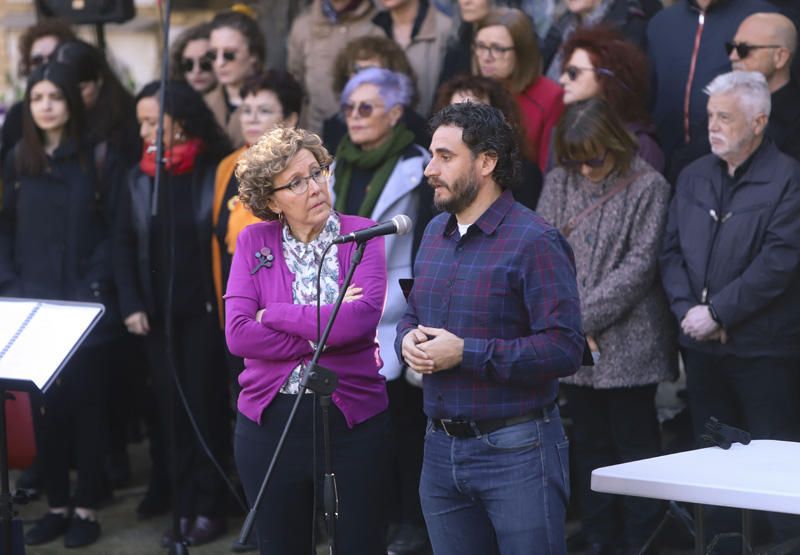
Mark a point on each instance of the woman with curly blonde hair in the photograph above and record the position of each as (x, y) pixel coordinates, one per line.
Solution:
(271, 322)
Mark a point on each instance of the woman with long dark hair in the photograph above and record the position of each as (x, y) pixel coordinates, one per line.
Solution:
(110, 110)
(55, 244)
(163, 270)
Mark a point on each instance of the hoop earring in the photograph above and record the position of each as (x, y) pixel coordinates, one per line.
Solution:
(281, 218)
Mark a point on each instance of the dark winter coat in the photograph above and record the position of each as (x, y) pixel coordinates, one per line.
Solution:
(55, 236)
(740, 254)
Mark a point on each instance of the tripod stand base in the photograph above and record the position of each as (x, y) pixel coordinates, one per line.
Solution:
(17, 539)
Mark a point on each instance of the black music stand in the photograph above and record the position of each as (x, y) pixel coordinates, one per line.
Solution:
(37, 339)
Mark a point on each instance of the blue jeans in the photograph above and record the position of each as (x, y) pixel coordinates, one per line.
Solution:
(505, 492)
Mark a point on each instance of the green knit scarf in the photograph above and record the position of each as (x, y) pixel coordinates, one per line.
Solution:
(382, 160)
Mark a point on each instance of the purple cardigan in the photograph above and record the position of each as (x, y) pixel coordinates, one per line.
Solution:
(272, 348)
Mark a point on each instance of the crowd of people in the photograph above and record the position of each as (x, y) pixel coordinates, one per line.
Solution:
(597, 189)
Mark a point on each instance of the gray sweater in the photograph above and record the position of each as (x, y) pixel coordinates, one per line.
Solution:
(616, 253)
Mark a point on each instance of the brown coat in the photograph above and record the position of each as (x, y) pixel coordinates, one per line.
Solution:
(230, 124)
(616, 254)
(314, 43)
(425, 53)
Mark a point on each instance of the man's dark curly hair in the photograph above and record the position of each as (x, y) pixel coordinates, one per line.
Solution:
(484, 129)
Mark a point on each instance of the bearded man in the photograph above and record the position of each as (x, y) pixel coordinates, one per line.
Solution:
(493, 320)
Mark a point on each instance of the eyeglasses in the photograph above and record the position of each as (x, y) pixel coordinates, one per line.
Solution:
(299, 185)
(573, 72)
(594, 163)
(495, 50)
(363, 109)
(38, 60)
(743, 49)
(203, 64)
(227, 55)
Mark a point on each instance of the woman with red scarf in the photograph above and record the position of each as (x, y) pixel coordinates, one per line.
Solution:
(163, 270)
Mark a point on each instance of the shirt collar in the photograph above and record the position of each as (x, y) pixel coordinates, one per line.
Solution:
(491, 219)
(741, 170)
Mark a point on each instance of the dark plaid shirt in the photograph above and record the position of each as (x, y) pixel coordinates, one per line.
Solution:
(508, 289)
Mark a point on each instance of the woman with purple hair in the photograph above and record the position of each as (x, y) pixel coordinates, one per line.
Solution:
(378, 174)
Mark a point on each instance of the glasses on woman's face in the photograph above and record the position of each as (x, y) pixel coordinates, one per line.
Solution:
(227, 55)
(299, 185)
(743, 49)
(363, 109)
(573, 72)
(203, 64)
(594, 163)
(494, 50)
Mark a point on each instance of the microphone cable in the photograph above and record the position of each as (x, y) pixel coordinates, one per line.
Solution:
(168, 229)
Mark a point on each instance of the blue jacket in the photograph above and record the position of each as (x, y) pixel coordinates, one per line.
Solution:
(671, 36)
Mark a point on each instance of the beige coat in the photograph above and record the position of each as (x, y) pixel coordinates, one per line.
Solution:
(215, 100)
(314, 43)
(426, 54)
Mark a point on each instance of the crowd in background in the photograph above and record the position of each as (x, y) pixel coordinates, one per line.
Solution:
(609, 104)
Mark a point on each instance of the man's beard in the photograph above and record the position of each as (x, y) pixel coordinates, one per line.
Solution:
(463, 192)
(729, 147)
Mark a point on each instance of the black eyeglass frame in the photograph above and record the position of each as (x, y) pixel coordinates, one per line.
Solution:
(743, 49)
(299, 185)
(206, 64)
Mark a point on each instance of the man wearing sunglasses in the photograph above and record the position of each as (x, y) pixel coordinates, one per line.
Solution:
(729, 265)
(493, 320)
(685, 48)
(767, 43)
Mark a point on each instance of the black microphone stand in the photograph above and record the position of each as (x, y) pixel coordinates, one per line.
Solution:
(179, 546)
(323, 382)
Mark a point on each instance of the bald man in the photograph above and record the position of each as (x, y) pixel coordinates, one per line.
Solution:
(767, 43)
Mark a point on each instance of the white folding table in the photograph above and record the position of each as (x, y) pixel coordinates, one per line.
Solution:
(764, 475)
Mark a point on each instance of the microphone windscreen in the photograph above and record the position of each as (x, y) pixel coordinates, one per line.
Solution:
(403, 223)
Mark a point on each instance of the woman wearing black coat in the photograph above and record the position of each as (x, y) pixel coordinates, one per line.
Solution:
(55, 244)
(162, 267)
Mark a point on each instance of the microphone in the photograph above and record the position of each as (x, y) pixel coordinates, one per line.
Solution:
(399, 224)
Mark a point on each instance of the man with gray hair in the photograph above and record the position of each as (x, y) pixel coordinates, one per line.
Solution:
(729, 265)
(767, 43)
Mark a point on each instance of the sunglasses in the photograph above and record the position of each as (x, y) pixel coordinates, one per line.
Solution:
(573, 72)
(204, 64)
(743, 49)
(594, 163)
(363, 109)
(227, 55)
(38, 60)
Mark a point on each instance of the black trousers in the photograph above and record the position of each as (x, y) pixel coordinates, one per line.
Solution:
(286, 516)
(612, 426)
(75, 427)
(200, 367)
(758, 395)
(406, 446)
